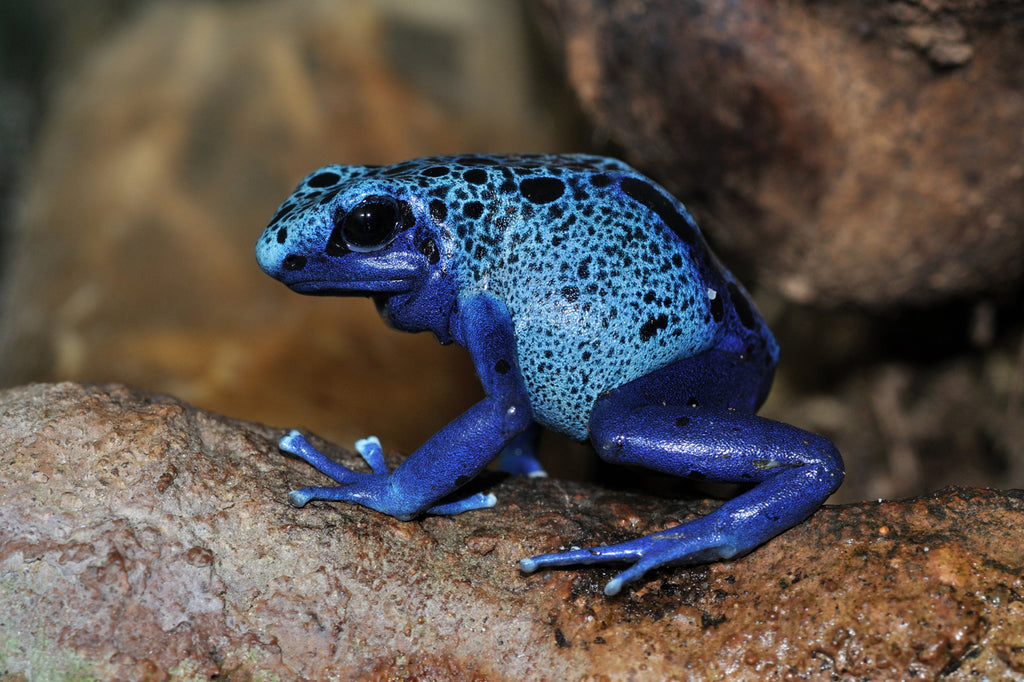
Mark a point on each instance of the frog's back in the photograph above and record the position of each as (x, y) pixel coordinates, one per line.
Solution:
(605, 275)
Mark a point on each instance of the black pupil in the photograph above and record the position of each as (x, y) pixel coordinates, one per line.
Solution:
(371, 223)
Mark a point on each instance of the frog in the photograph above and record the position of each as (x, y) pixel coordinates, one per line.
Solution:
(591, 306)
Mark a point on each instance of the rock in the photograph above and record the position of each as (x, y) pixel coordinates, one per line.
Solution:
(142, 538)
(850, 152)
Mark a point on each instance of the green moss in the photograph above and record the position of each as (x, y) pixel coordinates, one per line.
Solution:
(39, 660)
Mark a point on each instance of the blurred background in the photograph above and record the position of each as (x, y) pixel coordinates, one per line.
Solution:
(859, 166)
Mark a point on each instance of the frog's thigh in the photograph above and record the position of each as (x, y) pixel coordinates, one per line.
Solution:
(696, 417)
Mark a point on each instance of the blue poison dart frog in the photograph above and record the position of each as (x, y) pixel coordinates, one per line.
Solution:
(590, 305)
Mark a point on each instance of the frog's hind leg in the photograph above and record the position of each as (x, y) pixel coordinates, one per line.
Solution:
(695, 418)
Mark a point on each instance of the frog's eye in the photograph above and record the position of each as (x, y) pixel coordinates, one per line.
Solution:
(368, 226)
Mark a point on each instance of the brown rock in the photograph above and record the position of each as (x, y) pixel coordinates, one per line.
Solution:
(141, 538)
(851, 152)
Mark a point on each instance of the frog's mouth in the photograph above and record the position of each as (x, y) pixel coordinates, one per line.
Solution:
(359, 277)
(369, 288)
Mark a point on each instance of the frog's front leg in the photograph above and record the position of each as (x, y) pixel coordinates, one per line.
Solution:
(794, 471)
(456, 453)
(370, 450)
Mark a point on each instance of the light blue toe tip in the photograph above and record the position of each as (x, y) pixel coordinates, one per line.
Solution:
(363, 443)
(286, 440)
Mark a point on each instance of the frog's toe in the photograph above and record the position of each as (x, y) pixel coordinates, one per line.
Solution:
(634, 572)
(644, 553)
(592, 555)
(475, 501)
(293, 442)
(299, 498)
(296, 444)
(625, 551)
(372, 453)
(650, 559)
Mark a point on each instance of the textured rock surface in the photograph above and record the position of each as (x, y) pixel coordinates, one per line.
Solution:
(859, 152)
(142, 538)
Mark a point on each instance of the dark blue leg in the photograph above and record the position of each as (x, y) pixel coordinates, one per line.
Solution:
(453, 455)
(519, 457)
(707, 429)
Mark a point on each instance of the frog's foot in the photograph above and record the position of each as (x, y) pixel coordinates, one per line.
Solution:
(519, 458)
(695, 542)
(520, 463)
(371, 490)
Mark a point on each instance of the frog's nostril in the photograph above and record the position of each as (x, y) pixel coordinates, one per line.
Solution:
(294, 262)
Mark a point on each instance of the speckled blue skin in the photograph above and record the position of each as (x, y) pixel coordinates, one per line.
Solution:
(590, 305)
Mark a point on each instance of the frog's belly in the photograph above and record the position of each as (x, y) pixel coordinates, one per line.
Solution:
(574, 357)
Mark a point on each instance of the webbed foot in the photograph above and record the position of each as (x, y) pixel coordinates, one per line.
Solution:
(369, 489)
(698, 541)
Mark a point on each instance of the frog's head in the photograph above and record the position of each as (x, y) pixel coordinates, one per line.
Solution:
(359, 230)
